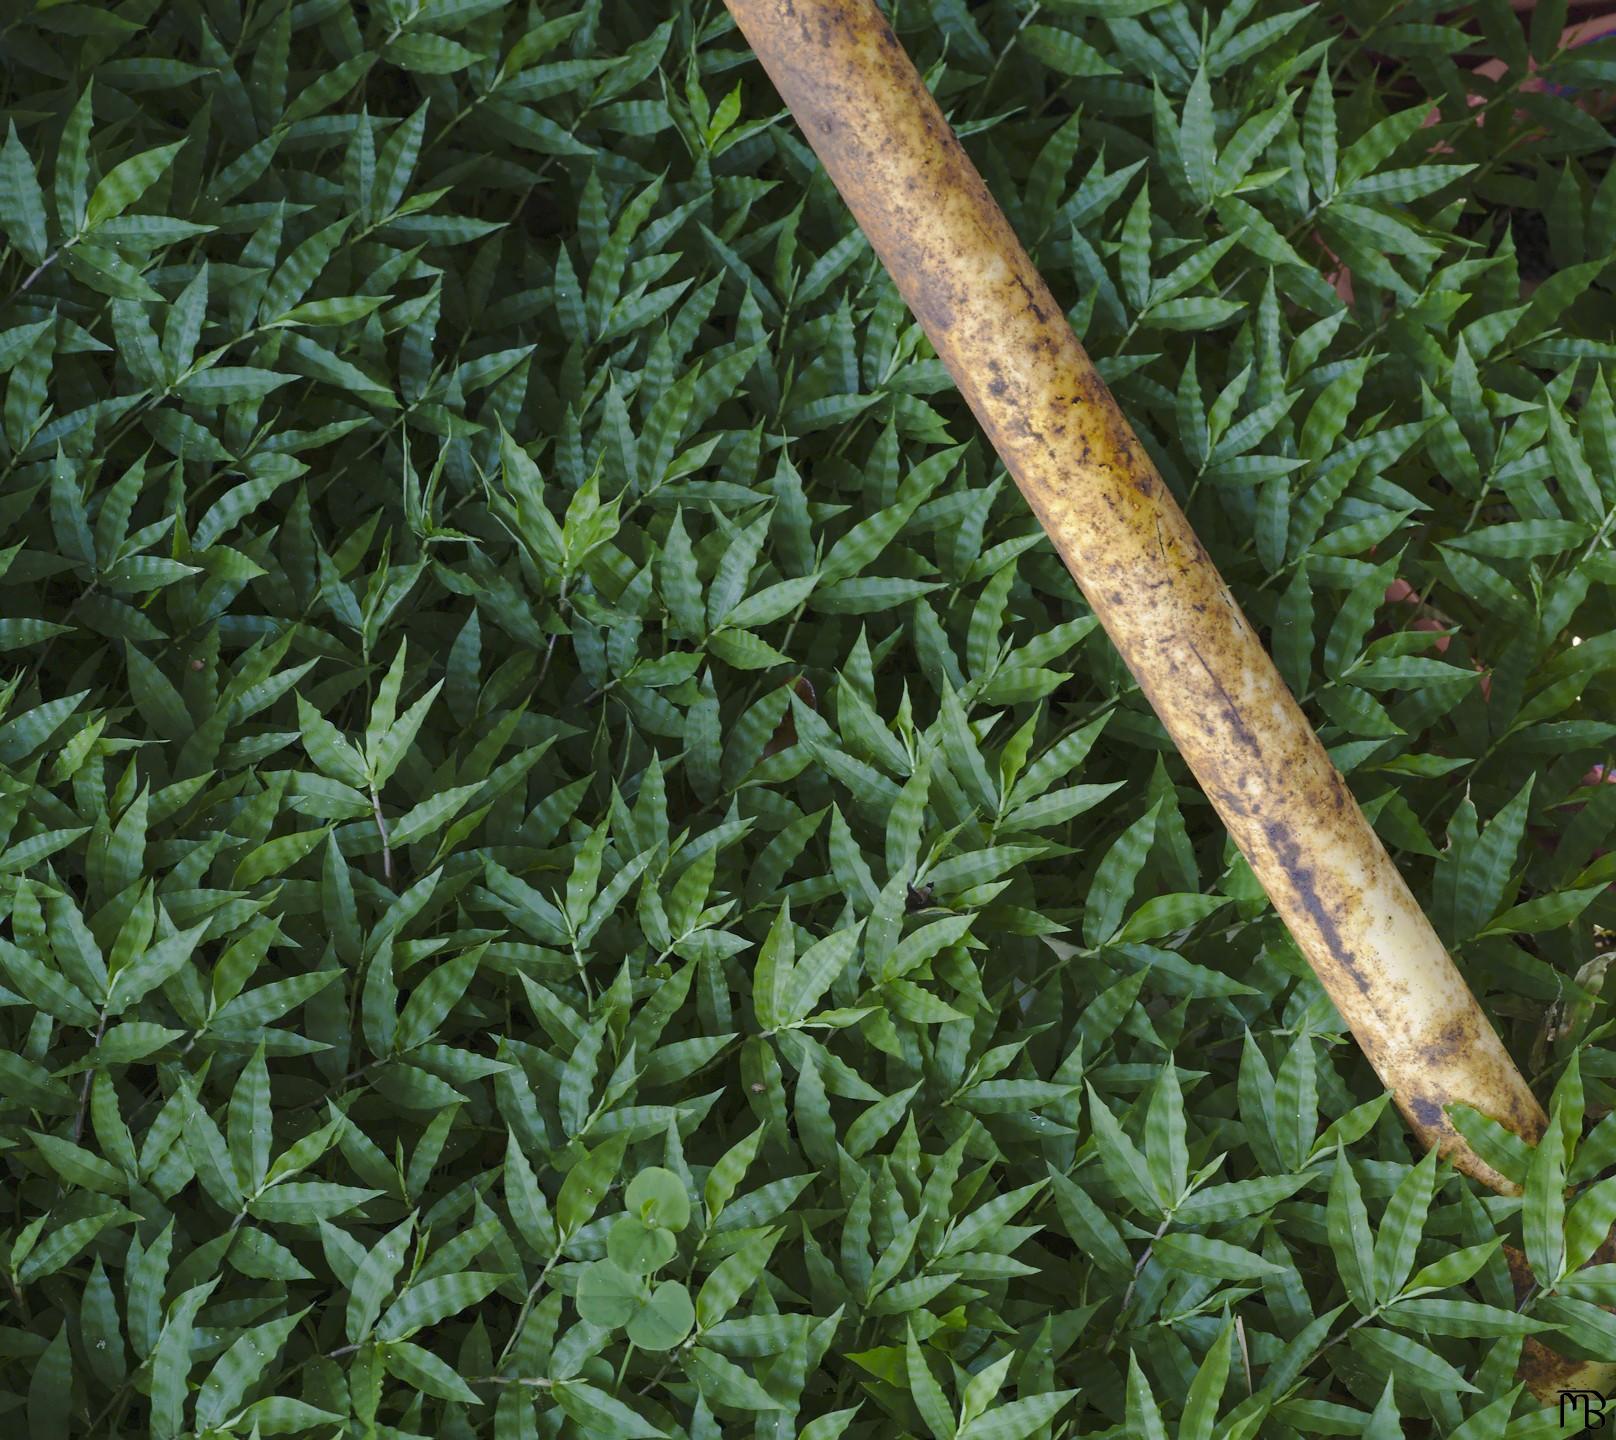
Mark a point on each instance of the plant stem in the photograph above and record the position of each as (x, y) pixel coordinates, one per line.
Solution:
(1139, 1265)
(34, 274)
(381, 829)
(89, 1080)
(527, 1306)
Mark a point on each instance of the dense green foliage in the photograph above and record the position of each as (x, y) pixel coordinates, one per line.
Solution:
(575, 864)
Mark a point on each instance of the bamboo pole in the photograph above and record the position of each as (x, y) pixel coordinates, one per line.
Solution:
(991, 318)
(947, 245)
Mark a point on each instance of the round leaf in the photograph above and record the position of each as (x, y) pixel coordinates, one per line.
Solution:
(607, 1295)
(665, 1319)
(639, 1249)
(658, 1197)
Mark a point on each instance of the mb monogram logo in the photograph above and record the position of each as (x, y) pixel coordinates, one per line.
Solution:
(1591, 1404)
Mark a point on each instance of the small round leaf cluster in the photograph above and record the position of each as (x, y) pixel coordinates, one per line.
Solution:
(619, 1292)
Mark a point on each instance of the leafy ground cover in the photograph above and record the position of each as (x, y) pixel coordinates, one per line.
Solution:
(574, 865)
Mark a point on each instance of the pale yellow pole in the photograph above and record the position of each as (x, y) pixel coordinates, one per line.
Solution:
(916, 195)
(994, 324)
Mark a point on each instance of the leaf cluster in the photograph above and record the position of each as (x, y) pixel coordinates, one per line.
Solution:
(573, 864)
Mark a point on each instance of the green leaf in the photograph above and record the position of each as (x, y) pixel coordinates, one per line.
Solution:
(429, 1301)
(1543, 1209)
(1206, 1390)
(586, 1184)
(1453, 1269)
(927, 1393)
(251, 1120)
(22, 205)
(73, 162)
(1398, 1238)
(726, 1175)
(608, 1295)
(733, 1277)
(1485, 876)
(1350, 1239)
(226, 384)
(1065, 52)
(1114, 881)
(1197, 142)
(1018, 1419)
(432, 1000)
(171, 1361)
(236, 1371)
(1319, 134)
(420, 1368)
(1136, 249)
(1419, 1366)
(1165, 1148)
(375, 1278)
(1124, 1165)
(817, 969)
(1202, 1255)
(637, 1249)
(658, 1197)
(125, 183)
(78, 1166)
(1144, 1417)
(664, 1320)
